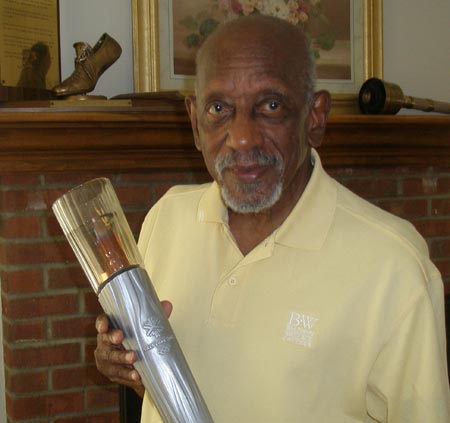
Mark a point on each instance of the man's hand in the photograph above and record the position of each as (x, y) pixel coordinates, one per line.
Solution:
(112, 360)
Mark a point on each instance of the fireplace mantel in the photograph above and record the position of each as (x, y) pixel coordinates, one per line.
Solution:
(139, 139)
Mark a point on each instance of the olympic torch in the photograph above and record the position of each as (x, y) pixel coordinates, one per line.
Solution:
(94, 224)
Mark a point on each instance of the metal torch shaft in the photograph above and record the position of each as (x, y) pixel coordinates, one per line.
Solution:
(133, 306)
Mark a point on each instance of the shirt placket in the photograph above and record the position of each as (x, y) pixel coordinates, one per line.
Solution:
(231, 287)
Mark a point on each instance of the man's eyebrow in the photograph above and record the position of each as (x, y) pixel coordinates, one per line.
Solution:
(214, 95)
(279, 95)
(273, 93)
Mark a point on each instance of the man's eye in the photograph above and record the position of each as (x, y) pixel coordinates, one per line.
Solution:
(215, 108)
(271, 106)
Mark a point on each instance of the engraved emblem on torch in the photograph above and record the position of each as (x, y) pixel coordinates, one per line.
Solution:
(164, 348)
(153, 327)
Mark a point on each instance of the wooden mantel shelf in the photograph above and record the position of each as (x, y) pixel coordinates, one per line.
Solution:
(136, 139)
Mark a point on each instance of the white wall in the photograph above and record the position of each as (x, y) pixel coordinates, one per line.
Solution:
(87, 20)
(416, 43)
(417, 47)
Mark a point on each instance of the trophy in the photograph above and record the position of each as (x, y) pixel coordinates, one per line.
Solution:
(380, 97)
(94, 223)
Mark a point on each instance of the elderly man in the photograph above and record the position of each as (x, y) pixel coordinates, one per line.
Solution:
(294, 300)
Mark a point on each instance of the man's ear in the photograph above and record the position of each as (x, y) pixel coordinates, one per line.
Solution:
(191, 107)
(317, 118)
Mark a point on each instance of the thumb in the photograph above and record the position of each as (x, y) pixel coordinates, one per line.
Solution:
(167, 307)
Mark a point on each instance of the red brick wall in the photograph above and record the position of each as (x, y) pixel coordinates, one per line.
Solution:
(49, 308)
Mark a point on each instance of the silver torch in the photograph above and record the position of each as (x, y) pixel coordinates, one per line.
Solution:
(94, 223)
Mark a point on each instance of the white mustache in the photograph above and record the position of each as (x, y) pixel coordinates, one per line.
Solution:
(255, 157)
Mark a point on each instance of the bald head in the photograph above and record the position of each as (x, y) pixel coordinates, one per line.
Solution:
(253, 37)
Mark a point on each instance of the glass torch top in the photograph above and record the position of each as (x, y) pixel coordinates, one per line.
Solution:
(93, 221)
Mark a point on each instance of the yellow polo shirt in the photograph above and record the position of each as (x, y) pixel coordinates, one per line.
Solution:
(336, 317)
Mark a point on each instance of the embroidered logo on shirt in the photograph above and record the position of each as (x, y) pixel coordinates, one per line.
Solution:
(299, 329)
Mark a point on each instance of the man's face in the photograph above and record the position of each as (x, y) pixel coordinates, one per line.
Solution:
(250, 121)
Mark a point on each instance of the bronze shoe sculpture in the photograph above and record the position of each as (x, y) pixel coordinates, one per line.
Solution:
(90, 63)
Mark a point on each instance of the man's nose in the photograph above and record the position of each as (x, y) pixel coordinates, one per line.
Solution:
(243, 133)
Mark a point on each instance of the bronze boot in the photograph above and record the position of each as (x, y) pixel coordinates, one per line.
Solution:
(90, 63)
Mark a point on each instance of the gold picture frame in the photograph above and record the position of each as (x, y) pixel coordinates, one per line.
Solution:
(151, 35)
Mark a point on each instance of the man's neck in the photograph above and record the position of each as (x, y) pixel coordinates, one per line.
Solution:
(250, 229)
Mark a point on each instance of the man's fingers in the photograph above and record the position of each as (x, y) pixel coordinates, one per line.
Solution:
(124, 375)
(115, 356)
(111, 358)
(102, 323)
(104, 328)
(114, 336)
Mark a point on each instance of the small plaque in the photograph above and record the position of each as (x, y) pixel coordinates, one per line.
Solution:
(29, 46)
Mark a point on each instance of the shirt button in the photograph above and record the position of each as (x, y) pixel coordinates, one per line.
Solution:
(232, 281)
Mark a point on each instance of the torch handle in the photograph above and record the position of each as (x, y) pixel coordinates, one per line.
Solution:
(131, 303)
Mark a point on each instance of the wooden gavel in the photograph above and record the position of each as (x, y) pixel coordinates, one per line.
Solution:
(380, 97)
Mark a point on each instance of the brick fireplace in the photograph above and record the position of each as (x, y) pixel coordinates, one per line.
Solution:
(400, 163)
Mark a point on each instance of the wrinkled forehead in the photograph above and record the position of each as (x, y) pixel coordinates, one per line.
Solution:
(242, 42)
(252, 57)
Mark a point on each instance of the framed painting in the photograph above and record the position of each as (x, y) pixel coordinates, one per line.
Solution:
(346, 38)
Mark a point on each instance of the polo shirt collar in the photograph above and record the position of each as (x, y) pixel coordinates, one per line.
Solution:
(307, 225)
(211, 207)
